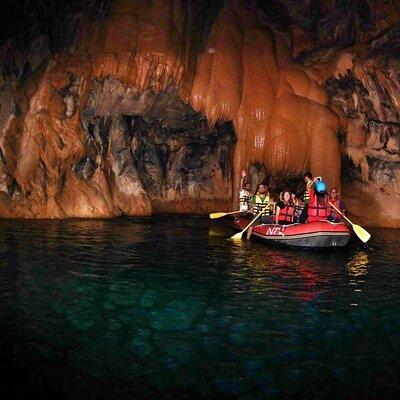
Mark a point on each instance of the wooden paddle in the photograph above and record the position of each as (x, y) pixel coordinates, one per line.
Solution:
(358, 230)
(239, 235)
(222, 214)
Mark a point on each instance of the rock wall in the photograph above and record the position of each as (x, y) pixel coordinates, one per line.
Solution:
(131, 107)
(362, 82)
(369, 98)
(92, 117)
(92, 148)
(354, 46)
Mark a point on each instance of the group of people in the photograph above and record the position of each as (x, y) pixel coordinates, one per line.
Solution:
(314, 204)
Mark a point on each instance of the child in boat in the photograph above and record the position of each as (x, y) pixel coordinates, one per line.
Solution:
(284, 209)
(245, 194)
(335, 200)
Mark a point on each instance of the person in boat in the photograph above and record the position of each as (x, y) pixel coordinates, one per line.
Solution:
(308, 180)
(298, 205)
(284, 209)
(245, 194)
(334, 199)
(318, 204)
(262, 203)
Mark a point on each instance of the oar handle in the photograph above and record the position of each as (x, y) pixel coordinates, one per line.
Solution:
(257, 216)
(351, 223)
(358, 230)
(223, 214)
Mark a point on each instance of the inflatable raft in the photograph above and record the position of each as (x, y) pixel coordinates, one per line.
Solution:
(312, 235)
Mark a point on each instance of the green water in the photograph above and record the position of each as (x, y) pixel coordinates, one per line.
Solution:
(169, 308)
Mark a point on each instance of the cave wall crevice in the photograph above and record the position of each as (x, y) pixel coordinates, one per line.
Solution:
(131, 107)
(367, 97)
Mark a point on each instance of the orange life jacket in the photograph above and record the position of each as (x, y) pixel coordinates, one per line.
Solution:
(286, 213)
(318, 207)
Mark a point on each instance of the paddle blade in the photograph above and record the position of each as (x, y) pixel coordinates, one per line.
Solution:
(361, 233)
(217, 215)
(237, 236)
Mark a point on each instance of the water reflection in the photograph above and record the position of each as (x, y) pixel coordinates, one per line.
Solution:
(358, 264)
(164, 304)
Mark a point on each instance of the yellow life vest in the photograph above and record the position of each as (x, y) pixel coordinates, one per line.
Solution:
(265, 205)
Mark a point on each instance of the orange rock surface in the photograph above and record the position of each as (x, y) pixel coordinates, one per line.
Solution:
(280, 113)
(242, 71)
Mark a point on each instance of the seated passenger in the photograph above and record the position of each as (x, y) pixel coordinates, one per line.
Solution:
(262, 203)
(245, 194)
(284, 209)
(318, 205)
(334, 198)
(298, 205)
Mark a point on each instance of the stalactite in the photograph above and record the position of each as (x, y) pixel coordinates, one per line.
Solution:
(244, 73)
(239, 70)
(280, 112)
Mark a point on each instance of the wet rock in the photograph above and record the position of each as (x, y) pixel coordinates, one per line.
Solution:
(82, 317)
(114, 325)
(125, 163)
(148, 298)
(141, 346)
(85, 168)
(180, 352)
(387, 42)
(368, 97)
(122, 297)
(384, 173)
(70, 96)
(176, 316)
(94, 123)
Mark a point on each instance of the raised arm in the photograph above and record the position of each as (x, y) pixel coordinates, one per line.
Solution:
(242, 176)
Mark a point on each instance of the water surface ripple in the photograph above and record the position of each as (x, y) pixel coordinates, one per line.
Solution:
(169, 307)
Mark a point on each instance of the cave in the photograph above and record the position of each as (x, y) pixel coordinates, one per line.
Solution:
(134, 136)
(157, 149)
(112, 108)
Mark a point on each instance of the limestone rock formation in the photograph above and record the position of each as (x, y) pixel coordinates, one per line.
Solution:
(131, 107)
(364, 90)
(369, 97)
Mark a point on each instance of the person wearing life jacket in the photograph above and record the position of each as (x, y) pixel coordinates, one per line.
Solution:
(284, 209)
(308, 180)
(262, 203)
(245, 194)
(318, 205)
(298, 205)
(334, 199)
